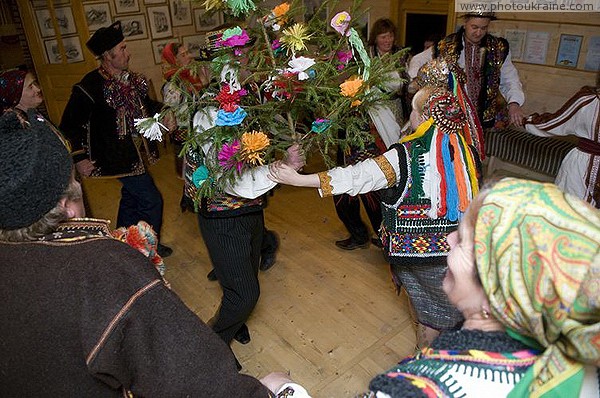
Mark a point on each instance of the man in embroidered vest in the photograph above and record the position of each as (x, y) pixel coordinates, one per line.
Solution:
(99, 122)
(84, 314)
(486, 61)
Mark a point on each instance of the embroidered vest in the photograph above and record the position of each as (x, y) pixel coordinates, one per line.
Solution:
(408, 234)
(494, 55)
(472, 373)
(221, 205)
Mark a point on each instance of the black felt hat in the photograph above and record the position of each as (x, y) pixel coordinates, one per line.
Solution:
(35, 170)
(105, 38)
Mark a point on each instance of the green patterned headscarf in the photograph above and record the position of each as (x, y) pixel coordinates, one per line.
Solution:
(538, 256)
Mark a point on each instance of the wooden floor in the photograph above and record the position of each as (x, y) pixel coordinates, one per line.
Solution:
(328, 316)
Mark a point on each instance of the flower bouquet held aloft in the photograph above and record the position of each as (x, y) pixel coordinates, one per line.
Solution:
(279, 80)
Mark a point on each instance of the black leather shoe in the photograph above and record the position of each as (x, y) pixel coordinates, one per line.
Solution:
(212, 275)
(351, 244)
(377, 242)
(242, 336)
(164, 251)
(269, 252)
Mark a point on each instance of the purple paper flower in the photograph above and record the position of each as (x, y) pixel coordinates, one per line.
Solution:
(227, 154)
(344, 57)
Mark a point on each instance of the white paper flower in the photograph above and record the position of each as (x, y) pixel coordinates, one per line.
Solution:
(299, 65)
(150, 127)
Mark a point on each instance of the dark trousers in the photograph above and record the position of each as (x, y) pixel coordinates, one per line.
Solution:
(348, 210)
(140, 200)
(234, 246)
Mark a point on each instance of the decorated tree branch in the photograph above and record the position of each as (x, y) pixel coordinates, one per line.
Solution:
(278, 80)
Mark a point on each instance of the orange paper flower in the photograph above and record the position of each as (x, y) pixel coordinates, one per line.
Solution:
(355, 103)
(350, 87)
(253, 145)
(281, 9)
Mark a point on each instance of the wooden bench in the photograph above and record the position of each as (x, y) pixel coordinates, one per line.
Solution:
(515, 150)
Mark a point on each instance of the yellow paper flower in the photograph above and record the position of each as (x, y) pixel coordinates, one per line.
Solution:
(281, 9)
(216, 4)
(350, 87)
(295, 36)
(253, 145)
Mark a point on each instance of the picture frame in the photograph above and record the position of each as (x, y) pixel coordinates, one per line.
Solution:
(159, 21)
(194, 44)
(72, 47)
(154, 1)
(64, 19)
(157, 48)
(181, 12)
(568, 50)
(134, 27)
(127, 6)
(205, 21)
(97, 15)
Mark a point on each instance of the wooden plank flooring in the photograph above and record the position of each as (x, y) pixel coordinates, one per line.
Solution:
(328, 316)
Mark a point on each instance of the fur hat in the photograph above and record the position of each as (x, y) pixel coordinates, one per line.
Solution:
(105, 38)
(35, 170)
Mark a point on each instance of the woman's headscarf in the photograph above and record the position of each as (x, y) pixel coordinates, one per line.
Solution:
(11, 87)
(171, 67)
(537, 251)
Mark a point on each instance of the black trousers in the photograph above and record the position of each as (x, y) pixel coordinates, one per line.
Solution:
(234, 246)
(348, 210)
(140, 200)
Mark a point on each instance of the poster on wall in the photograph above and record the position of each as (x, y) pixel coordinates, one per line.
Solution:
(160, 22)
(64, 20)
(181, 12)
(72, 47)
(134, 27)
(126, 6)
(536, 47)
(516, 41)
(592, 58)
(97, 15)
(568, 50)
(205, 21)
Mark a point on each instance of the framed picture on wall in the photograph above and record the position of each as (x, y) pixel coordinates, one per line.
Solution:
(181, 12)
(568, 50)
(72, 47)
(97, 15)
(134, 27)
(64, 20)
(154, 1)
(194, 44)
(160, 22)
(206, 21)
(126, 6)
(157, 48)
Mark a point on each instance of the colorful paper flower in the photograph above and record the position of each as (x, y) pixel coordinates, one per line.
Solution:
(142, 238)
(344, 57)
(253, 146)
(320, 125)
(228, 98)
(200, 175)
(227, 155)
(299, 65)
(341, 23)
(239, 7)
(355, 103)
(277, 16)
(150, 127)
(294, 37)
(234, 118)
(351, 87)
(234, 37)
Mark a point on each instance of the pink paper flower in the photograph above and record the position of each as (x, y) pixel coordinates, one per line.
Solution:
(341, 23)
(227, 156)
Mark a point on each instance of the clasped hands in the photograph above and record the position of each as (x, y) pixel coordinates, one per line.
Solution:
(284, 171)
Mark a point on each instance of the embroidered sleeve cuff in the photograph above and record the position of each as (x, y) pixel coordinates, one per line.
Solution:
(292, 390)
(325, 184)
(387, 170)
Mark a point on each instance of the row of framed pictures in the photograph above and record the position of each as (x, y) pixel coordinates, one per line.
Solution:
(73, 49)
(161, 20)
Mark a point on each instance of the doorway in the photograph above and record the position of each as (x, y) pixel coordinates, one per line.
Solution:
(419, 27)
